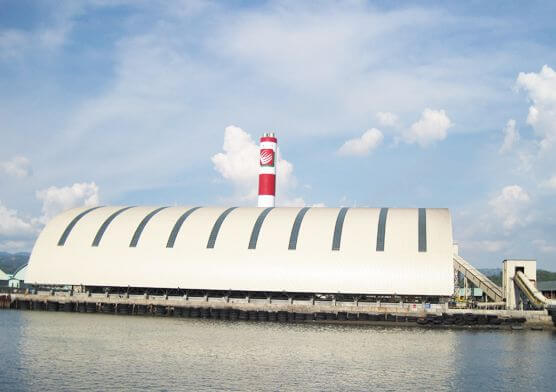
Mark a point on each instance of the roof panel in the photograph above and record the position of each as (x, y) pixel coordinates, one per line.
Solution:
(317, 230)
(257, 228)
(142, 225)
(236, 230)
(296, 228)
(275, 233)
(176, 227)
(106, 224)
(196, 229)
(337, 239)
(360, 231)
(71, 225)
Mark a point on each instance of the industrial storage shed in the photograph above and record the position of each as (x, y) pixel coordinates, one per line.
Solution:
(4, 278)
(379, 251)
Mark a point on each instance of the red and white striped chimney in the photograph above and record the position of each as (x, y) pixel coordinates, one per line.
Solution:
(267, 170)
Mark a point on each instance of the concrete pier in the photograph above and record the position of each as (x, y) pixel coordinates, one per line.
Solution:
(290, 310)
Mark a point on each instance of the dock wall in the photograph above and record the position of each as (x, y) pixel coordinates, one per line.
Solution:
(429, 315)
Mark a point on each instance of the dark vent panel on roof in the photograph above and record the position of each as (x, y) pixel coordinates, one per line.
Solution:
(422, 230)
(381, 231)
(257, 228)
(338, 228)
(216, 227)
(296, 226)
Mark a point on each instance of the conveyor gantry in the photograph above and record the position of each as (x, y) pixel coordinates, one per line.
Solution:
(493, 291)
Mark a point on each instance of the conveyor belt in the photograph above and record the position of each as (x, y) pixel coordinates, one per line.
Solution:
(534, 295)
(493, 291)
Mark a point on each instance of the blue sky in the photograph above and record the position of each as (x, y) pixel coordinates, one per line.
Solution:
(401, 104)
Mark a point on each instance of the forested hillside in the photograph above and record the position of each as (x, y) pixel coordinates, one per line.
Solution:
(10, 262)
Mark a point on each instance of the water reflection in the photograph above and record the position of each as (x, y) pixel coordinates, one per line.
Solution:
(104, 352)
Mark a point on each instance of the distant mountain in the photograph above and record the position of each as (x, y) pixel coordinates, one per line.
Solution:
(10, 262)
(495, 274)
(544, 276)
(491, 271)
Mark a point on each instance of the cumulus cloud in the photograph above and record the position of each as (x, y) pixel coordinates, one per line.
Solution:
(239, 164)
(17, 167)
(11, 224)
(431, 127)
(541, 91)
(387, 119)
(511, 137)
(370, 140)
(55, 200)
(509, 206)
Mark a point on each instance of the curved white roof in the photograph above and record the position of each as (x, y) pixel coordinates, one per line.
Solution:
(3, 275)
(19, 274)
(324, 250)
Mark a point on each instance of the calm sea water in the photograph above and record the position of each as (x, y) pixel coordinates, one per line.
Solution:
(44, 351)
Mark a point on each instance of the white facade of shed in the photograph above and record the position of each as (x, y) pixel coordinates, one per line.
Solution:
(4, 276)
(357, 267)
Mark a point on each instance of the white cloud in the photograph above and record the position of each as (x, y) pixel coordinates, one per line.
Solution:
(55, 200)
(431, 127)
(509, 206)
(550, 183)
(370, 140)
(544, 246)
(239, 164)
(541, 91)
(15, 246)
(17, 167)
(387, 119)
(511, 137)
(490, 246)
(11, 224)
(16, 43)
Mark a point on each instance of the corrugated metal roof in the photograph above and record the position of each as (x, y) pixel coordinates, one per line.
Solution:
(70, 226)
(257, 228)
(337, 239)
(356, 266)
(381, 231)
(141, 227)
(105, 224)
(549, 285)
(177, 227)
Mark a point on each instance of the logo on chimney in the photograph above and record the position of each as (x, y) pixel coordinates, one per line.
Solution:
(267, 157)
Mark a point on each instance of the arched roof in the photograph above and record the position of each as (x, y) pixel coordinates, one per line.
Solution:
(348, 250)
(3, 275)
(20, 272)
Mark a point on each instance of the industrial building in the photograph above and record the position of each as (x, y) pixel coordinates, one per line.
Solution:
(4, 278)
(548, 288)
(367, 251)
(310, 263)
(14, 280)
